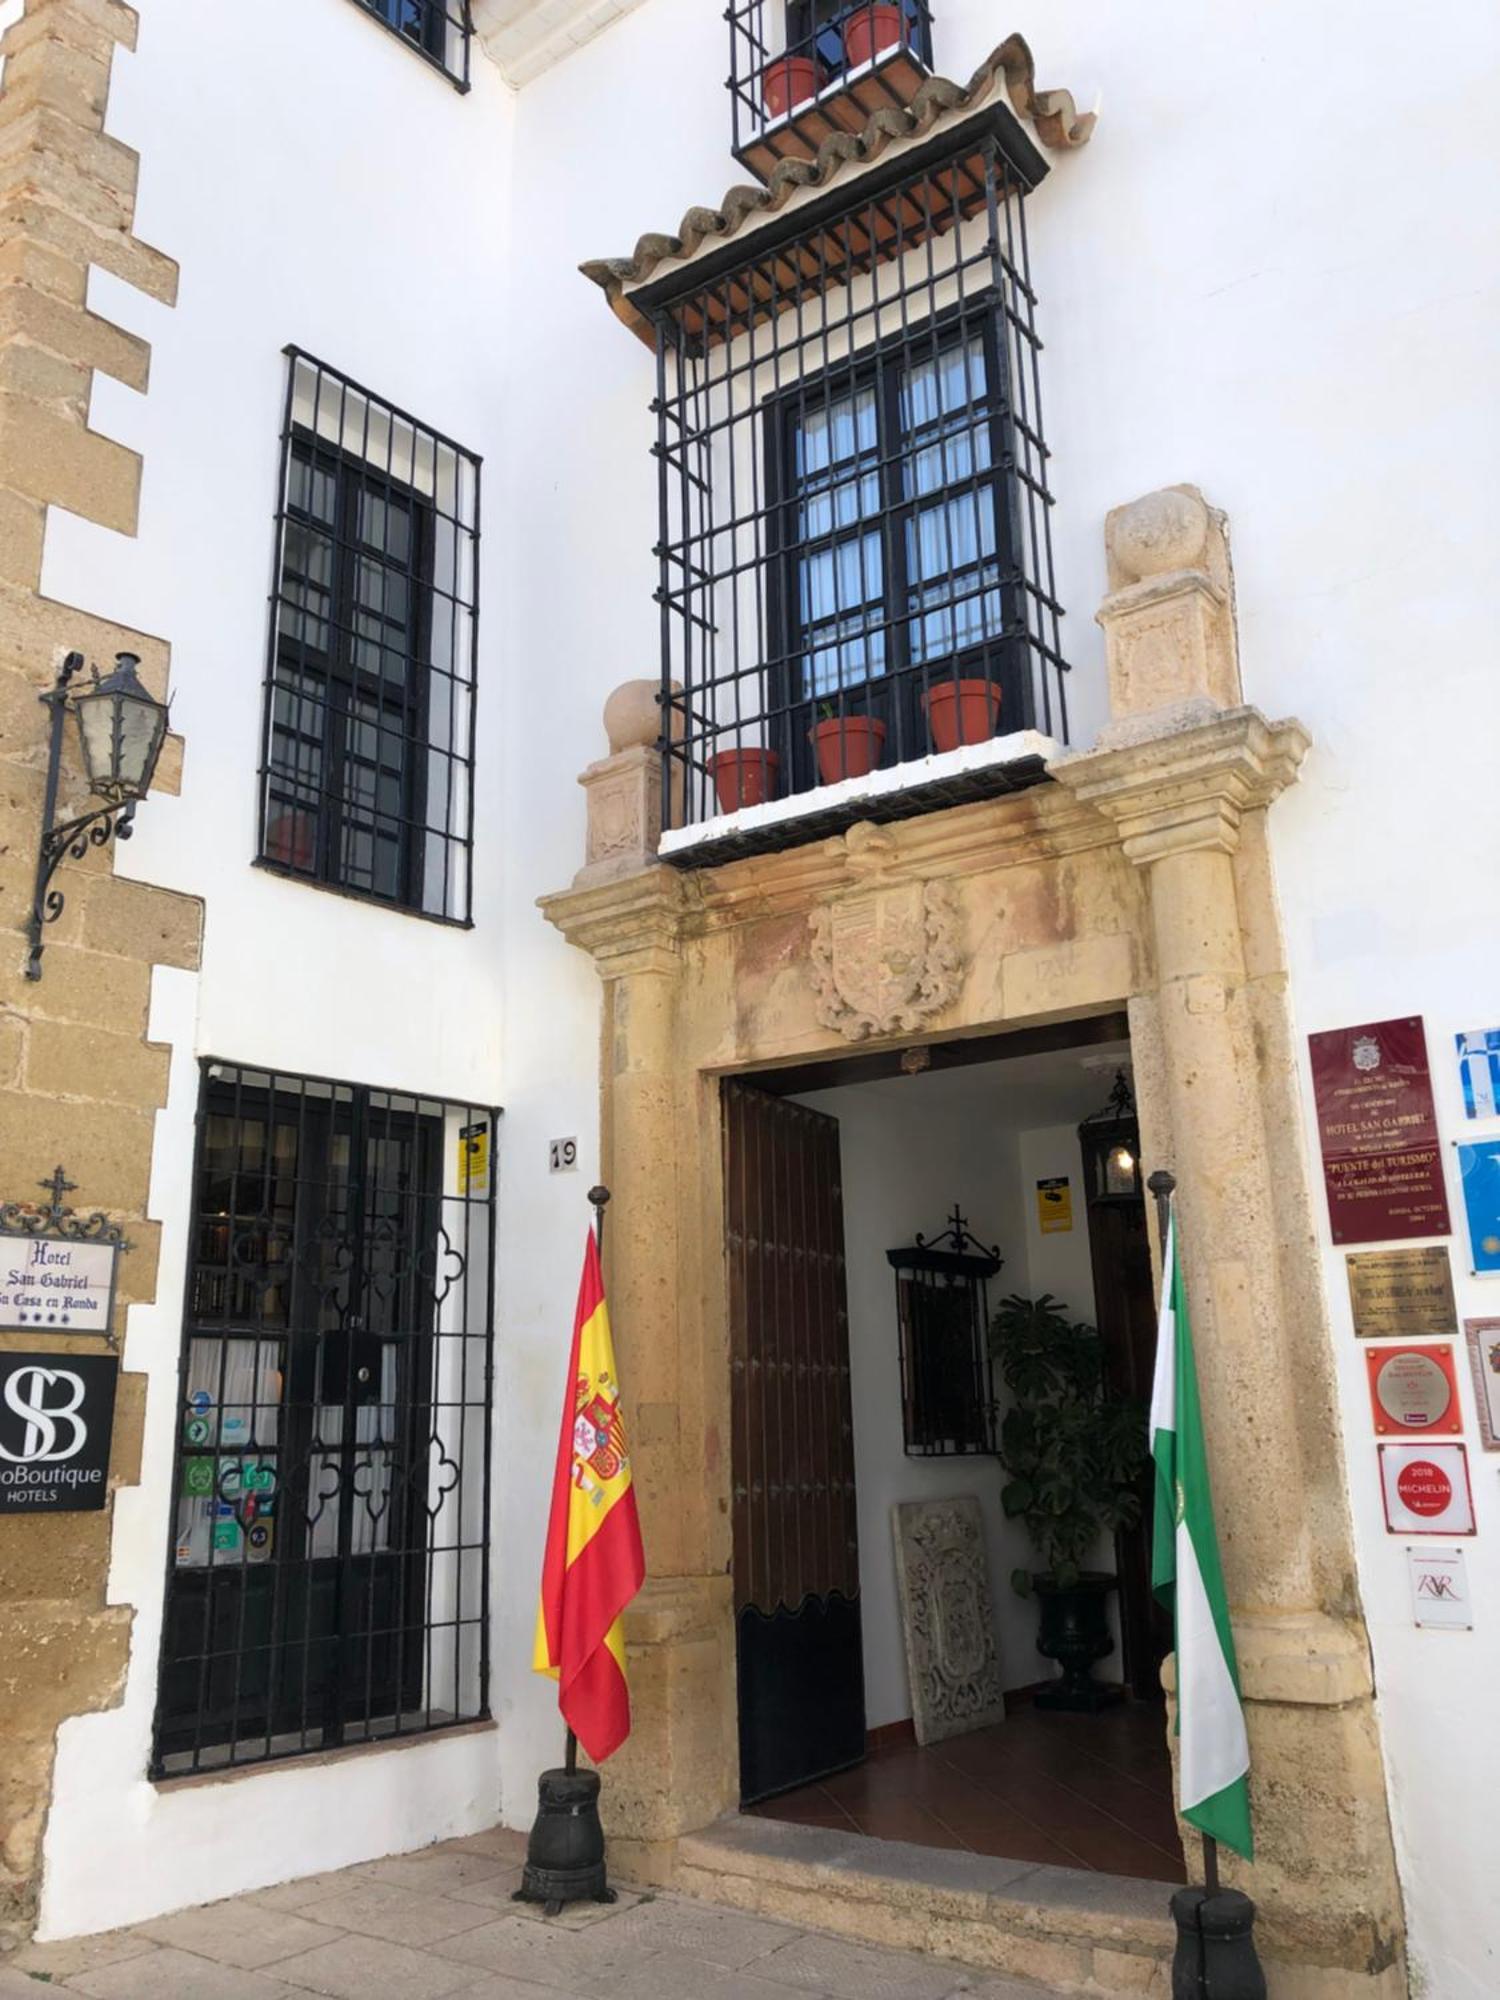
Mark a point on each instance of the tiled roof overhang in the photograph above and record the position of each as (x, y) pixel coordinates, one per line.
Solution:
(1004, 82)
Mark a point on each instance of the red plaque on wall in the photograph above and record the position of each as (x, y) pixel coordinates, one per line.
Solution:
(1378, 1129)
(1412, 1390)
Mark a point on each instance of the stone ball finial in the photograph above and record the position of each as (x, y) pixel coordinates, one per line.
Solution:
(1158, 533)
(632, 716)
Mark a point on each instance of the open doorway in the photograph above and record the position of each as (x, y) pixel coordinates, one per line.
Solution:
(834, 1175)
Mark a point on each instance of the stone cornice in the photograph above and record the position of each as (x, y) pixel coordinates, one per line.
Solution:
(1180, 783)
(633, 924)
(638, 922)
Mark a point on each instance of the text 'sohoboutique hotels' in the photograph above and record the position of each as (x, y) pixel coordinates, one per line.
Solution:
(868, 625)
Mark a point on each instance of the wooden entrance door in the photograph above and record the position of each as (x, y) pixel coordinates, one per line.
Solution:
(796, 1547)
(1125, 1309)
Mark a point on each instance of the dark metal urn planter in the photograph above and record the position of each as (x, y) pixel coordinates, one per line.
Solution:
(1075, 1632)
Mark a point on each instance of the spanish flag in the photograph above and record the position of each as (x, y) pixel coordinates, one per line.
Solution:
(594, 1563)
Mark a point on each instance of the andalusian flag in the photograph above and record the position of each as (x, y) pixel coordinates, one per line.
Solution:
(1213, 1750)
(593, 1564)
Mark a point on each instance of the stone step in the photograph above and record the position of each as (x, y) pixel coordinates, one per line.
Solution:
(1067, 1929)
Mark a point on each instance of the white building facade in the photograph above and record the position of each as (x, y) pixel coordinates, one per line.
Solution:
(388, 418)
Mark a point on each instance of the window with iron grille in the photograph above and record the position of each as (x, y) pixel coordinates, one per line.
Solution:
(328, 1581)
(438, 30)
(800, 70)
(368, 763)
(855, 545)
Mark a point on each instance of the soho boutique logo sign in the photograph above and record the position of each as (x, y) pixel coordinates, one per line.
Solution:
(56, 1417)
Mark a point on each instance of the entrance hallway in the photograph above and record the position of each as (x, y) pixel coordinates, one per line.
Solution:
(1072, 1791)
(423, 1926)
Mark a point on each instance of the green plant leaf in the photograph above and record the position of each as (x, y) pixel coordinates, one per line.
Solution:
(1020, 1582)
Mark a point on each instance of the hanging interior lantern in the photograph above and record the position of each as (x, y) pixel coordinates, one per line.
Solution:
(942, 1310)
(1111, 1142)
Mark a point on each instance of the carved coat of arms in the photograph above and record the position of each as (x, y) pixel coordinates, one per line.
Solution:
(885, 958)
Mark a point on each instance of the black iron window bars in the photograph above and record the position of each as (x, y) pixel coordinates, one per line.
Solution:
(328, 1577)
(802, 69)
(367, 769)
(439, 31)
(855, 559)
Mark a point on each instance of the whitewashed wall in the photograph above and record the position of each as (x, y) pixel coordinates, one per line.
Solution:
(1271, 274)
(318, 184)
(1267, 274)
(906, 1158)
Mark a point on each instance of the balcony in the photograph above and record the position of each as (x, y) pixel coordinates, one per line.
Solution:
(858, 612)
(802, 70)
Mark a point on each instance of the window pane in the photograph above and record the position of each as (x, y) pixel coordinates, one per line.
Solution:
(951, 565)
(841, 584)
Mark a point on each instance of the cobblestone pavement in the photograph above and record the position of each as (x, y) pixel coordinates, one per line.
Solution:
(422, 1926)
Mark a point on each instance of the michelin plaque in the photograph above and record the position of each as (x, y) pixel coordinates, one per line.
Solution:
(57, 1413)
(1398, 1293)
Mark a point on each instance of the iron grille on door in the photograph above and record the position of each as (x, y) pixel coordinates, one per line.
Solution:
(328, 1580)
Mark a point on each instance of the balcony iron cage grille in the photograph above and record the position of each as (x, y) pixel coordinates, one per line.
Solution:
(328, 1575)
(367, 758)
(439, 31)
(853, 493)
(818, 66)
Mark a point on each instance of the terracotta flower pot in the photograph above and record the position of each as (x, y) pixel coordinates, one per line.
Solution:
(291, 839)
(962, 712)
(787, 81)
(871, 32)
(743, 777)
(848, 746)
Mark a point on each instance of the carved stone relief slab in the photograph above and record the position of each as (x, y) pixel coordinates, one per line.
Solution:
(947, 1617)
(886, 956)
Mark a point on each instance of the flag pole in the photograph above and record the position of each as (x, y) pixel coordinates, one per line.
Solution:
(565, 1854)
(598, 1201)
(1226, 1932)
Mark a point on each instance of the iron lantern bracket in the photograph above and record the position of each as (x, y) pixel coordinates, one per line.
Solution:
(74, 837)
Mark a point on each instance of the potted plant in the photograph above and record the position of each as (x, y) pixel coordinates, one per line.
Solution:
(848, 746)
(1073, 1460)
(787, 81)
(870, 31)
(744, 777)
(961, 712)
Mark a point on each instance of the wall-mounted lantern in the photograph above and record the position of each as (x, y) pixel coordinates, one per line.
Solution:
(1111, 1141)
(942, 1307)
(121, 728)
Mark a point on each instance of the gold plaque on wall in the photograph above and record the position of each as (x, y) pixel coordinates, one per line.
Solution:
(1397, 1293)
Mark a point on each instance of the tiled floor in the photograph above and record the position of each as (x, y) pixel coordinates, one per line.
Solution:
(423, 1926)
(1080, 1791)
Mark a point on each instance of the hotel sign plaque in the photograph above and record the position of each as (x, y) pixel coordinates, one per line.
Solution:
(1398, 1293)
(1378, 1129)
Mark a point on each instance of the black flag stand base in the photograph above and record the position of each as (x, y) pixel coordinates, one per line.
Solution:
(565, 1851)
(565, 1854)
(1215, 1957)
